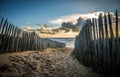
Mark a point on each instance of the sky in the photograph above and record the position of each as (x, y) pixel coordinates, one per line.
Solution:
(23, 12)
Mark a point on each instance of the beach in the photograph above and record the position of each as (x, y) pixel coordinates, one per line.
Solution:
(50, 62)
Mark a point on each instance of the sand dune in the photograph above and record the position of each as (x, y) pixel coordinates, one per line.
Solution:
(56, 62)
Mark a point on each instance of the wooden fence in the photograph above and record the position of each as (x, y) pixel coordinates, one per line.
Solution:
(13, 39)
(98, 45)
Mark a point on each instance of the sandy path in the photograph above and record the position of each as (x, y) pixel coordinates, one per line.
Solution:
(50, 63)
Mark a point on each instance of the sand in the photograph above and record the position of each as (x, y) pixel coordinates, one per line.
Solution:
(50, 62)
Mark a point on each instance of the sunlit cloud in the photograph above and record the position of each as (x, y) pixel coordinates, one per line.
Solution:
(73, 18)
(69, 18)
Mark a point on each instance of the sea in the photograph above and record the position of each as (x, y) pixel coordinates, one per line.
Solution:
(68, 41)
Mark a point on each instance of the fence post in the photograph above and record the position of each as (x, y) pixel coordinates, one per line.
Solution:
(117, 57)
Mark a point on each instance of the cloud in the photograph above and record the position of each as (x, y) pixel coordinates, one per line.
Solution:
(73, 18)
(75, 27)
(26, 27)
(69, 18)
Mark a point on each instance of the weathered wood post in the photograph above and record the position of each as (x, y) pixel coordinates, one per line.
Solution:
(8, 40)
(107, 45)
(112, 44)
(25, 40)
(3, 36)
(18, 40)
(117, 42)
(11, 38)
(103, 44)
(95, 49)
(97, 44)
(2, 32)
(8, 37)
(91, 42)
(117, 53)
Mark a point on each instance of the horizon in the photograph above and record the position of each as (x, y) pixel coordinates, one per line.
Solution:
(32, 12)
